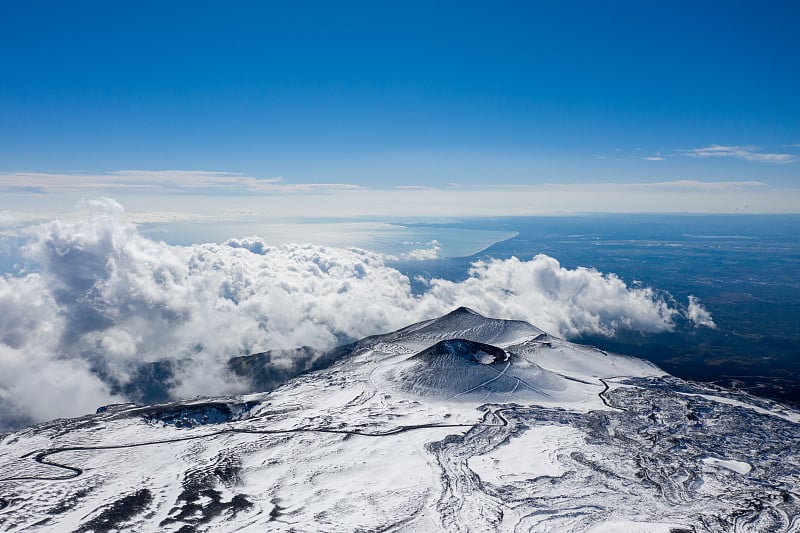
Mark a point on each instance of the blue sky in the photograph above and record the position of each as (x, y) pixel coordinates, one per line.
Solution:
(385, 94)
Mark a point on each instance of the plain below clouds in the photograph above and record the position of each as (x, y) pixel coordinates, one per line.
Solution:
(102, 299)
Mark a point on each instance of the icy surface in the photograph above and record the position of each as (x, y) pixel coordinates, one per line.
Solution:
(740, 467)
(533, 454)
(461, 423)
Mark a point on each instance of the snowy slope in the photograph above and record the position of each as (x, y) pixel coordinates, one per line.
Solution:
(460, 423)
(462, 323)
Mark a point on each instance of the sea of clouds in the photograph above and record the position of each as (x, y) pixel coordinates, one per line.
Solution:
(96, 298)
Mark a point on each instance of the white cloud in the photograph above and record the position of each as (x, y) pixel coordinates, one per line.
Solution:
(559, 300)
(107, 298)
(38, 381)
(747, 153)
(433, 251)
(7, 219)
(653, 158)
(698, 314)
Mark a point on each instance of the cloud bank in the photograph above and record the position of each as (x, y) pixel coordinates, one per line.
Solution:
(171, 196)
(99, 299)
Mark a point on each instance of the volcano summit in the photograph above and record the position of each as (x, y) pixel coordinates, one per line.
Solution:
(459, 423)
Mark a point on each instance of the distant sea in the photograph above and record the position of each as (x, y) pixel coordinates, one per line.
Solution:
(745, 270)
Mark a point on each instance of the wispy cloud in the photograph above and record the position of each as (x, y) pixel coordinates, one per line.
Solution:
(699, 185)
(155, 181)
(747, 153)
(616, 187)
(414, 187)
(657, 156)
(173, 196)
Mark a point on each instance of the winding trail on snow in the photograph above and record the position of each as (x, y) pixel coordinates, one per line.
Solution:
(605, 390)
(41, 456)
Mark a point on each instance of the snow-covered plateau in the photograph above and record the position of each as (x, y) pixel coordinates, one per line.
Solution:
(460, 423)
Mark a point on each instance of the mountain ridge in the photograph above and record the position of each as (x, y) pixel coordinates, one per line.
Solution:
(459, 423)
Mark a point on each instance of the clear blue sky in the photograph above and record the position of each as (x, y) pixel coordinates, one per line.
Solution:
(395, 93)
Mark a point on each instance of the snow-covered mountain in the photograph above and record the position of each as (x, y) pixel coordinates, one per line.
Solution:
(460, 423)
